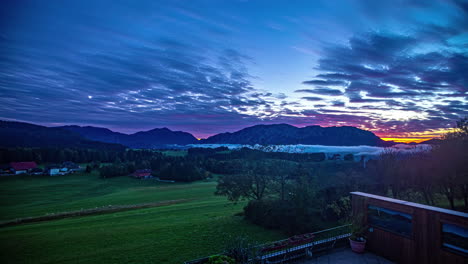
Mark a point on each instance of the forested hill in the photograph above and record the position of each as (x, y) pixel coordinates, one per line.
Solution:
(283, 134)
(155, 138)
(17, 134)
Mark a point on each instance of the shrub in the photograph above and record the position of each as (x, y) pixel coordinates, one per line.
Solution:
(115, 170)
(221, 259)
(240, 248)
(283, 215)
(349, 157)
(182, 171)
(339, 209)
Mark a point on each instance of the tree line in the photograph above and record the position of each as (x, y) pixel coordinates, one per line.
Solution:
(443, 171)
(78, 155)
(290, 191)
(293, 196)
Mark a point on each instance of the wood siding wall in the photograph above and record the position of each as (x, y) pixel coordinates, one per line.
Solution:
(425, 243)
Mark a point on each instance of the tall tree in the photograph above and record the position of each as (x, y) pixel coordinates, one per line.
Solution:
(451, 156)
(252, 184)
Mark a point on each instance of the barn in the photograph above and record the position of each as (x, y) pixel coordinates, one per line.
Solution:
(142, 174)
(53, 170)
(23, 167)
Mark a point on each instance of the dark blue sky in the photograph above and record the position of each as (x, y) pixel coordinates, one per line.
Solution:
(397, 68)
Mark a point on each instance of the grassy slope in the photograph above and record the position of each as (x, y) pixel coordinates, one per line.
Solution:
(167, 234)
(24, 196)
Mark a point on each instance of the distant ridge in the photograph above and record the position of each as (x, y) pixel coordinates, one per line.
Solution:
(434, 141)
(20, 134)
(284, 134)
(155, 138)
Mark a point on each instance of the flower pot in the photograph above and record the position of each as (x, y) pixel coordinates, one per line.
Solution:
(357, 246)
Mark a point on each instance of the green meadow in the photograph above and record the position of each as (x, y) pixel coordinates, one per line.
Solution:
(193, 223)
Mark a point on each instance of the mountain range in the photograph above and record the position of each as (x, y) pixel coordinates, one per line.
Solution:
(284, 134)
(17, 134)
(155, 138)
(28, 135)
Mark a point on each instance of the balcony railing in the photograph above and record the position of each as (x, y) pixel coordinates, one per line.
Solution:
(301, 246)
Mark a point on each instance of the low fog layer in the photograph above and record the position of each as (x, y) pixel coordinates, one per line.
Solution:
(329, 150)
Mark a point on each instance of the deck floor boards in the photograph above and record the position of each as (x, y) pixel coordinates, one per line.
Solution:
(346, 256)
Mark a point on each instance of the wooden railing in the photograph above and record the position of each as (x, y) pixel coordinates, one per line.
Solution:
(286, 250)
(318, 242)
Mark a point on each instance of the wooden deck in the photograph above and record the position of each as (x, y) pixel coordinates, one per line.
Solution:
(346, 256)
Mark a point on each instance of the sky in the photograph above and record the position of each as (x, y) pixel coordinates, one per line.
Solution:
(397, 68)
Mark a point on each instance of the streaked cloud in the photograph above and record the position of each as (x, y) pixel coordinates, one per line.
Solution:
(207, 66)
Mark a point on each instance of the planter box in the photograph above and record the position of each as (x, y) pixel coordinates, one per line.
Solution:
(357, 246)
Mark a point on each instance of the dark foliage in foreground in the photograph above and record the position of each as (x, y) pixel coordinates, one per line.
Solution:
(291, 200)
(281, 214)
(443, 171)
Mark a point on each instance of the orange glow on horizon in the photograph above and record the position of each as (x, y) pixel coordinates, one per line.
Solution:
(406, 140)
(417, 137)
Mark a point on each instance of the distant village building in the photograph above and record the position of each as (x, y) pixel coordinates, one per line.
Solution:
(71, 166)
(23, 167)
(31, 168)
(6, 169)
(142, 174)
(53, 170)
(36, 171)
(335, 157)
(62, 169)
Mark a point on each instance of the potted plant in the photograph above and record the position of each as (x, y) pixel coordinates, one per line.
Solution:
(357, 240)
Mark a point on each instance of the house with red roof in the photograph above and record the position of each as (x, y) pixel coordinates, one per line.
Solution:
(23, 167)
(142, 174)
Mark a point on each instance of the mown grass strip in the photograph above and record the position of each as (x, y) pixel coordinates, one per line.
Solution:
(86, 212)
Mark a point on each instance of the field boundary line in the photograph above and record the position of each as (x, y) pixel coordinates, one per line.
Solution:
(91, 211)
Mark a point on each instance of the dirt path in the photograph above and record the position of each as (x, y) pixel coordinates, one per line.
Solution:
(92, 211)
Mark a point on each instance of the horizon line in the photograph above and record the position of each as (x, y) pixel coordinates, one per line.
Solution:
(394, 139)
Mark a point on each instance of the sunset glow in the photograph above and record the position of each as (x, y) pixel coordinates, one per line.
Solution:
(406, 140)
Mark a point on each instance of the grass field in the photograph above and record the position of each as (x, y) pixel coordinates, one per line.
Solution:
(175, 153)
(197, 226)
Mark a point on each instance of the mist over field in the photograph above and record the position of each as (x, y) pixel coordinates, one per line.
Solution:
(329, 150)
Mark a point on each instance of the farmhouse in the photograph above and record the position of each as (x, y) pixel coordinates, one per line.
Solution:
(6, 169)
(70, 166)
(62, 169)
(23, 167)
(36, 171)
(142, 174)
(53, 170)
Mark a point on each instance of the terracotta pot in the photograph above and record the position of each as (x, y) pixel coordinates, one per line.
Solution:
(357, 246)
